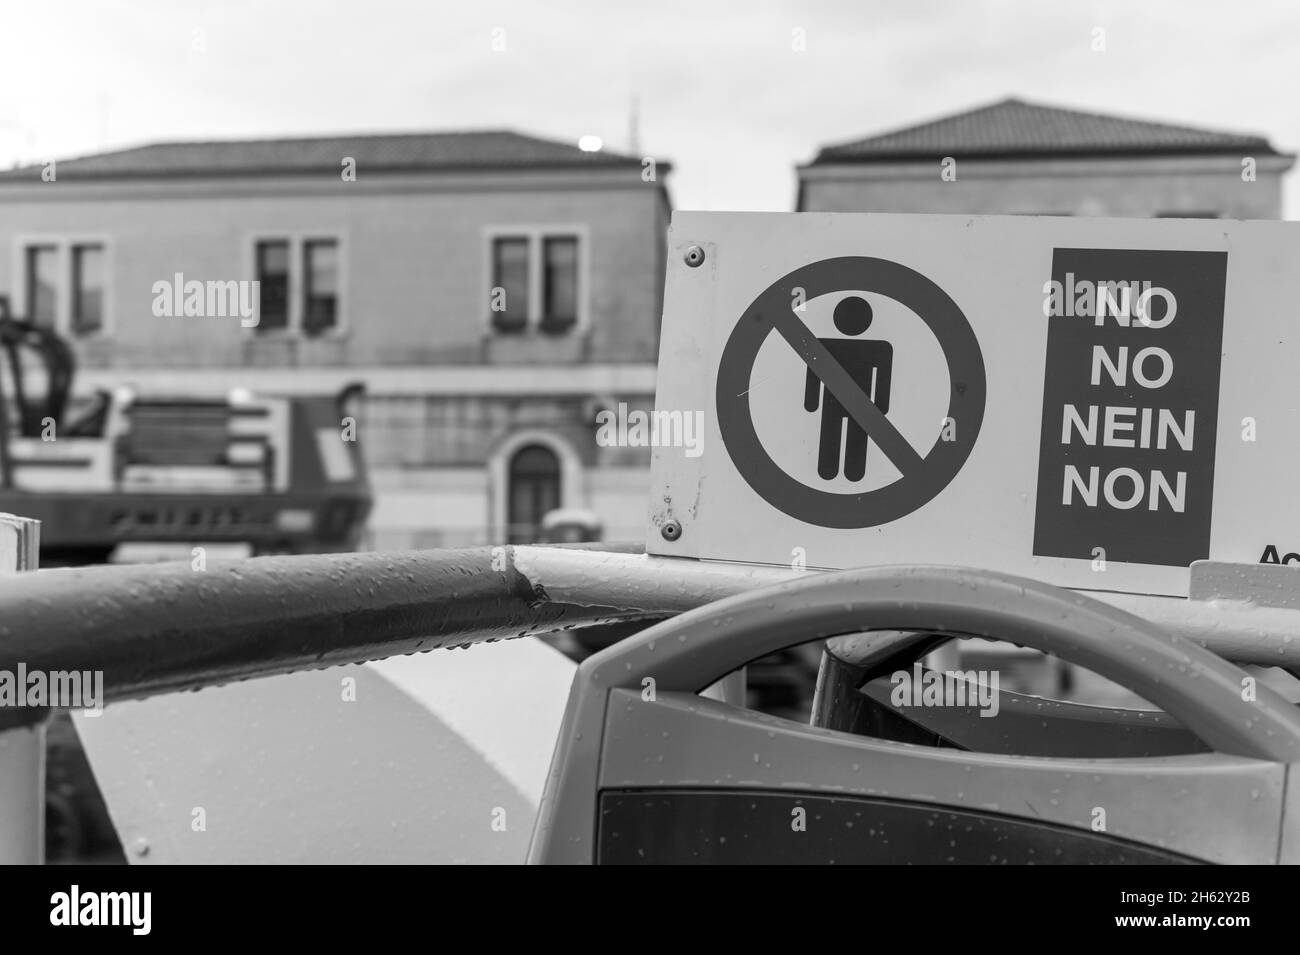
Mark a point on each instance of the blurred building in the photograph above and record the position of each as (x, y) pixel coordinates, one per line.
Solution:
(1018, 157)
(491, 290)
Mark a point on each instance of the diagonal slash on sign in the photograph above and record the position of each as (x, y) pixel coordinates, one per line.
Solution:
(848, 392)
(927, 474)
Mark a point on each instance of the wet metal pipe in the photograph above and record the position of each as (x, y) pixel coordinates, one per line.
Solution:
(1240, 630)
(158, 627)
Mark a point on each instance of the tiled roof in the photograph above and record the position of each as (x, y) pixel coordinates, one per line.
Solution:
(486, 149)
(1013, 128)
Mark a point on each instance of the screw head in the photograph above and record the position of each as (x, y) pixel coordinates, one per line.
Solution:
(671, 531)
(694, 257)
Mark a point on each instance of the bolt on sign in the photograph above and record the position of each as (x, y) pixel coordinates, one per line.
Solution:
(1092, 402)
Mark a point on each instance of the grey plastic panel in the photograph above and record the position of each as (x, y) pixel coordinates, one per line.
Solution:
(1229, 802)
(753, 827)
(1200, 690)
(1207, 806)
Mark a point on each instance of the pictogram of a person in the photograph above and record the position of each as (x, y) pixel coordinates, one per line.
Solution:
(868, 362)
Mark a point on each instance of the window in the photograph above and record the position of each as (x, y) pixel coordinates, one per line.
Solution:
(87, 289)
(273, 276)
(65, 284)
(560, 284)
(42, 285)
(301, 285)
(509, 284)
(321, 295)
(536, 281)
(534, 489)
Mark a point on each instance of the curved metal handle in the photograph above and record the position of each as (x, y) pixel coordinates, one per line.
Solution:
(1202, 691)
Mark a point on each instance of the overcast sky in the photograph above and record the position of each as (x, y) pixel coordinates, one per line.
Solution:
(722, 91)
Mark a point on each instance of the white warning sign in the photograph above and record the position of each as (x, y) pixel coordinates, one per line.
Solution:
(1095, 403)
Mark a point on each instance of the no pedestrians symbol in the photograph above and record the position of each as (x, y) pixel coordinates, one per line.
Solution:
(922, 475)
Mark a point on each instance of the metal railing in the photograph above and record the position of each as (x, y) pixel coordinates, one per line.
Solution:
(156, 628)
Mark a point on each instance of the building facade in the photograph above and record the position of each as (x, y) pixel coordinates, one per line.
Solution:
(491, 291)
(1014, 157)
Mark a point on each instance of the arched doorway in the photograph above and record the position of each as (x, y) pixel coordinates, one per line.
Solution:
(534, 488)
